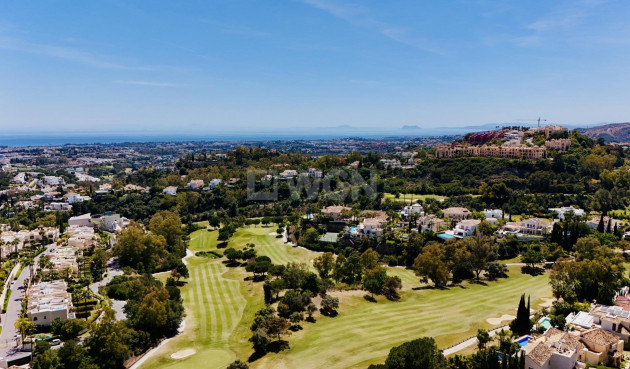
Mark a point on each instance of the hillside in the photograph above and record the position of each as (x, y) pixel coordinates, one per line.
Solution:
(615, 132)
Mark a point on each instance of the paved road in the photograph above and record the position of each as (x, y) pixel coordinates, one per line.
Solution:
(9, 335)
(113, 269)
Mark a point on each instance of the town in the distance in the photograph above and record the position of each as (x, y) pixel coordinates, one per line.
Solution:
(499, 249)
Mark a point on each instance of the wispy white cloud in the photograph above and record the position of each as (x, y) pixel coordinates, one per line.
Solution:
(559, 23)
(358, 16)
(147, 83)
(60, 52)
(78, 56)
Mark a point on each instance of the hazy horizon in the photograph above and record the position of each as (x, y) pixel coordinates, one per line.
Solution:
(243, 66)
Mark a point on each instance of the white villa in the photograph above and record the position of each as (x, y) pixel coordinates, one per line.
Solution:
(412, 209)
(466, 228)
(562, 211)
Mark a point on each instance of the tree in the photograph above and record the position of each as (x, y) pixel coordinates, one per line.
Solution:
(369, 259)
(238, 365)
(391, 287)
(483, 337)
(339, 268)
(532, 257)
(558, 321)
(430, 265)
(295, 274)
(139, 250)
(420, 353)
(481, 251)
(324, 264)
(46, 360)
(25, 326)
(522, 324)
(374, 280)
(260, 340)
(278, 326)
(329, 305)
(109, 342)
(72, 355)
(310, 309)
(296, 317)
(168, 225)
(180, 271)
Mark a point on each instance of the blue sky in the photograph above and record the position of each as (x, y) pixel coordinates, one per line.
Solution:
(217, 66)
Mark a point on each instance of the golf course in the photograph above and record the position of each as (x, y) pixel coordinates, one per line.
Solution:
(220, 304)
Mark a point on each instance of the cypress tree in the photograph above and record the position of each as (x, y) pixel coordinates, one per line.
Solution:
(600, 226)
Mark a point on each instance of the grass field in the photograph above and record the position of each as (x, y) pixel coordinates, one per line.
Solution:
(217, 301)
(220, 305)
(364, 332)
(412, 197)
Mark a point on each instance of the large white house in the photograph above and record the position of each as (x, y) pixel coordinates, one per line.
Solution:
(562, 211)
(412, 209)
(466, 228)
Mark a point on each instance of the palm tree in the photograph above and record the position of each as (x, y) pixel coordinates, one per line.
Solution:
(25, 326)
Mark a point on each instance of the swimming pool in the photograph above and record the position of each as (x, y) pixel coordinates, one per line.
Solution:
(353, 229)
(545, 322)
(523, 341)
(445, 236)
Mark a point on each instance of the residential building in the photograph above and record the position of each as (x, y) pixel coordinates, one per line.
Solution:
(80, 236)
(48, 301)
(562, 211)
(84, 220)
(58, 206)
(514, 152)
(170, 190)
(52, 181)
(72, 198)
(535, 226)
(312, 172)
(412, 209)
(466, 228)
(493, 213)
(214, 183)
(335, 212)
(64, 258)
(431, 223)
(196, 184)
(390, 163)
(372, 226)
(111, 222)
(289, 173)
(561, 144)
(557, 349)
(457, 213)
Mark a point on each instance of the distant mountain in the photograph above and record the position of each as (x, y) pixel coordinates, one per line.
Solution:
(410, 128)
(614, 132)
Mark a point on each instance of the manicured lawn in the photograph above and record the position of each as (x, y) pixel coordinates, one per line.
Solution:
(220, 305)
(217, 300)
(364, 332)
(412, 197)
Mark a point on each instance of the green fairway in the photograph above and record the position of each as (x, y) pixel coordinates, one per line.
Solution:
(412, 197)
(216, 300)
(220, 305)
(364, 332)
(267, 244)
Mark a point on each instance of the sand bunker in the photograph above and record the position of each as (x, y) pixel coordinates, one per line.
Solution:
(497, 321)
(182, 354)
